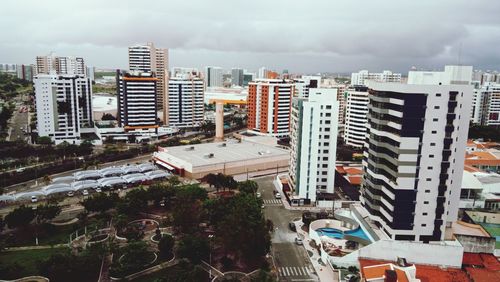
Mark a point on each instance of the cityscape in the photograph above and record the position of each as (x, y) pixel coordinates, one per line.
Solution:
(233, 142)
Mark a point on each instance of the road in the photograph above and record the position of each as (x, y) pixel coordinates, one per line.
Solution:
(292, 261)
(18, 122)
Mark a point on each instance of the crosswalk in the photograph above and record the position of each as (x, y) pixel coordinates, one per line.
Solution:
(272, 202)
(287, 271)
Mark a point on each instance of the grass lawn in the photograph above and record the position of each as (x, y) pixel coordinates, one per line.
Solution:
(28, 259)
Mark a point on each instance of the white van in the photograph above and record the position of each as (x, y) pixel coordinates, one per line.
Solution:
(34, 199)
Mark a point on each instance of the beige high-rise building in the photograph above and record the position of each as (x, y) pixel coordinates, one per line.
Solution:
(148, 58)
(60, 65)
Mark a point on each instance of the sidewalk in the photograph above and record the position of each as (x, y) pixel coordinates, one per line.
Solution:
(324, 272)
(287, 205)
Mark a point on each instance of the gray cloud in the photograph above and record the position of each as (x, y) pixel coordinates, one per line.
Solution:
(310, 36)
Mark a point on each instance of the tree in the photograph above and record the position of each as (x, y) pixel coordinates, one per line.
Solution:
(108, 116)
(210, 179)
(242, 227)
(47, 179)
(166, 246)
(193, 248)
(2, 224)
(134, 202)
(20, 217)
(44, 140)
(46, 212)
(100, 202)
(248, 186)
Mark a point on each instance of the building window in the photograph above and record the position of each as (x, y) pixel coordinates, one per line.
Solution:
(426, 202)
(433, 144)
(328, 107)
(428, 179)
(435, 119)
(429, 167)
(431, 156)
(424, 225)
(438, 94)
(424, 214)
(436, 107)
(434, 132)
(427, 191)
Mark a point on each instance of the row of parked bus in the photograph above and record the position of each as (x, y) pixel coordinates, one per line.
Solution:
(95, 181)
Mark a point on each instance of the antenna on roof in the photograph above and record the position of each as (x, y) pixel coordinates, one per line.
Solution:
(459, 63)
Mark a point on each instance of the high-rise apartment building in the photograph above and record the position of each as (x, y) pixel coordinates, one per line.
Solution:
(262, 73)
(185, 98)
(213, 77)
(356, 109)
(414, 153)
(60, 65)
(137, 107)
(269, 102)
(360, 78)
(313, 144)
(237, 77)
(63, 106)
(486, 105)
(303, 84)
(147, 58)
(25, 72)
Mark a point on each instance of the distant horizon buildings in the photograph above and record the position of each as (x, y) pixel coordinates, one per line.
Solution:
(214, 77)
(486, 105)
(360, 78)
(313, 145)
(269, 102)
(51, 63)
(237, 75)
(414, 153)
(63, 106)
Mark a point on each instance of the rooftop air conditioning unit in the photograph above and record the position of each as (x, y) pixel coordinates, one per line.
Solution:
(211, 155)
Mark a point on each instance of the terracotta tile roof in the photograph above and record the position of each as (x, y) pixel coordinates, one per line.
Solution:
(481, 274)
(353, 171)
(490, 262)
(377, 271)
(340, 169)
(355, 180)
(426, 273)
(471, 168)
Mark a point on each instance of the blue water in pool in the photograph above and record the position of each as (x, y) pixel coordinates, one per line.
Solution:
(338, 234)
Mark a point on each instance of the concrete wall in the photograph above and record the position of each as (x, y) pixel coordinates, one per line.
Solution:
(476, 244)
(414, 252)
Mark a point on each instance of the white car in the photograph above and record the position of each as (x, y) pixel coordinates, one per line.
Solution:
(298, 241)
(258, 194)
(85, 193)
(277, 196)
(98, 190)
(71, 194)
(34, 199)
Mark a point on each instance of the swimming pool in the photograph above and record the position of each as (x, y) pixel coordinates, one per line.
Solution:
(338, 234)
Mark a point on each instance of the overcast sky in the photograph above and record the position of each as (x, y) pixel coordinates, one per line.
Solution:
(301, 36)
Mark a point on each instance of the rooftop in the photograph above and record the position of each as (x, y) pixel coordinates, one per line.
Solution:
(425, 273)
(230, 151)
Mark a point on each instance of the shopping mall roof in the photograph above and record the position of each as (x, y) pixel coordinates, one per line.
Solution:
(217, 153)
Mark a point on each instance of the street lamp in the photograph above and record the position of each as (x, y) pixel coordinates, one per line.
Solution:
(210, 236)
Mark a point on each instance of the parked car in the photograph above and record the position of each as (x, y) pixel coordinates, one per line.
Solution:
(71, 194)
(277, 196)
(291, 225)
(98, 190)
(298, 241)
(34, 199)
(258, 194)
(85, 192)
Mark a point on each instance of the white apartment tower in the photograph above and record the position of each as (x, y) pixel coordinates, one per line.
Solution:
(360, 78)
(63, 106)
(486, 105)
(52, 64)
(303, 84)
(137, 107)
(414, 153)
(213, 77)
(356, 109)
(313, 140)
(147, 58)
(185, 98)
(269, 103)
